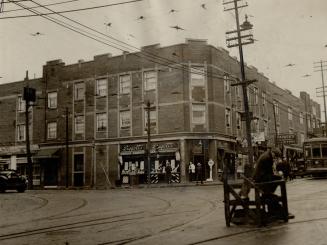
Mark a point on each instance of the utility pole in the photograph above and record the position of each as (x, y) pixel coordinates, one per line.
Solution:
(29, 95)
(321, 66)
(67, 148)
(148, 148)
(275, 123)
(238, 41)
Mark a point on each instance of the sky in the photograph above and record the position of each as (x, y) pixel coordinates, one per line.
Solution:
(287, 32)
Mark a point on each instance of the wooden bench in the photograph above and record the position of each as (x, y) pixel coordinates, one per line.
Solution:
(246, 210)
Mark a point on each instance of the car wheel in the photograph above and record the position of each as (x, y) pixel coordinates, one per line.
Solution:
(21, 189)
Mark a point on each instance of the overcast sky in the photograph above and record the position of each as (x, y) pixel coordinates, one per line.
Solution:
(288, 32)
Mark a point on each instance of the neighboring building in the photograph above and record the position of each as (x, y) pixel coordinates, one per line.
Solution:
(195, 115)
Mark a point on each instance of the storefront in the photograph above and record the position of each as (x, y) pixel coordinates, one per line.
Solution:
(134, 166)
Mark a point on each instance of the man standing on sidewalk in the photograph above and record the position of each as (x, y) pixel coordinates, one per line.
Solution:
(199, 172)
(191, 171)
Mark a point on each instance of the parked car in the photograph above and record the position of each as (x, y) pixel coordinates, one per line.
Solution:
(11, 180)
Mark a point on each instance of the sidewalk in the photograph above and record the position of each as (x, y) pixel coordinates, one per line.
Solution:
(165, 185)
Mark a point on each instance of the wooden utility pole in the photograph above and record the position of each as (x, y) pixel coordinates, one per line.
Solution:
(28, 95)
(67, 148)
(321, 67)
(148, 148)
(238, 41)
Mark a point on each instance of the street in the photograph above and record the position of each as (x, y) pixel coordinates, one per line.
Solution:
(176, 215)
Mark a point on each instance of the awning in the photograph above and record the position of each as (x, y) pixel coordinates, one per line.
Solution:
(47, 153)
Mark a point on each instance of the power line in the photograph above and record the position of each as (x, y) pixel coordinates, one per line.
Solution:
(51, 4)
(67, 11)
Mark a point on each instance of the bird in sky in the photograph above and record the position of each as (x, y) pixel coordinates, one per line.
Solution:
(172, 11)
(290, 64)
(306, 75)
(203, 5)
(177, 28)
(141, 18)
(37, 34)
(108, 24)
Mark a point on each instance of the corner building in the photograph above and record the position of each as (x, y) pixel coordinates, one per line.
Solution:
(97, 109)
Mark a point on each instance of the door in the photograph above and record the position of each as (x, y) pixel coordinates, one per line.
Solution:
(50, 172)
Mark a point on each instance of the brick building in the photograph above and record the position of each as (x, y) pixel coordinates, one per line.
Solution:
(96, 109)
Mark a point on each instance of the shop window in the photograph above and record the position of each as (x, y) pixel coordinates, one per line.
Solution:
(79, 125)
(21, 104)
(101, 121)
(52, 100)
(199, 114)
(79, 91)
(125, 84)
(101, 87)
(198, 77)
(52, 130)
(150, 80)
(21, 132)
(125, 119)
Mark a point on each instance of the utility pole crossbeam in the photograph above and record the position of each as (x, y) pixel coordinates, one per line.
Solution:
(246, 26)
(321, 68)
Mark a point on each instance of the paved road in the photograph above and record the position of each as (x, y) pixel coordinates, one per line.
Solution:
(179, 215)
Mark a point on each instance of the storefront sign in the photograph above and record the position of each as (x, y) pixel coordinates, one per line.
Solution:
(258, 137)
(156, 147)
(286, 139)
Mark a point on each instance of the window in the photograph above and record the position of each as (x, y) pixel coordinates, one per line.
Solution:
(78, 170)
(314, 111)
(276, 107)
(153, 118)
(150, 80)
(290, 113)
(21, 132)
(52, 130)
(301, 118)
(227, 117)
(52, 100)
(226, 84)
(265, 126)
(316, 151)
(198, 77)
(238, 120)
(255, 95)
(125, 84)
(125, 119)
(101, 121)
(79, 91)
(21, 104)
(324, 150)
(79, 125)
(101, 87)
(264, 99)
(199, 113)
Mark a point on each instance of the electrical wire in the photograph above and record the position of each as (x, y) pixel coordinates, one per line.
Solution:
(51, 4)
(68, 11)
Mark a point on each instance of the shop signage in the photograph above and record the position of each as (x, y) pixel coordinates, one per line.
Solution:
(258, 137)
(160, 147)
(286, 139)
(9, 150)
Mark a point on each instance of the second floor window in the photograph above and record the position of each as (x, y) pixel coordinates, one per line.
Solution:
(101, 121)
(301, 118)
(125, 119)
(150, 80)
(153, 119)
(52, 100)
(101, 87)
(21, 132)
(52, 130)
(21, 104)
(199, 114)
(79, 91)
(79, 125)
(290, 113)
(125, 84)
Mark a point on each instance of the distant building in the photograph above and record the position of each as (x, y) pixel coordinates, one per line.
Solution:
(195, 115)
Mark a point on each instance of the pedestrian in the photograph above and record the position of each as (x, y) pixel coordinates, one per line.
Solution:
(191, 171)
(199, 172)
(168, 173)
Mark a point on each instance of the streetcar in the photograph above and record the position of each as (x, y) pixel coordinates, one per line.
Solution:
(315, 156)
(294, 157)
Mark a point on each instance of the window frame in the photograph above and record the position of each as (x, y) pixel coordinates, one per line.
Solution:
(79, 125)
(125, 89)
(197, 122)
(78, 96)
(103, 127)
(146, 80)
(49, 131)
(228, 120)
(52, 100)
(101, 87)
(198, 80)
(21, 104)
(121, 119)
(23, 132)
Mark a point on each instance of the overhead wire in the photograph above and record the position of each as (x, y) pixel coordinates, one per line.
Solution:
(67, 11)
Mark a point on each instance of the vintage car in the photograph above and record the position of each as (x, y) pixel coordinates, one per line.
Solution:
(11, 180)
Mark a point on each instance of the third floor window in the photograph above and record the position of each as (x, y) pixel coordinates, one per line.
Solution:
(52, 100)
(21, 104)
(101, 87)
(150, 80)
(198, 77)
(79, 91)
(125, 84)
